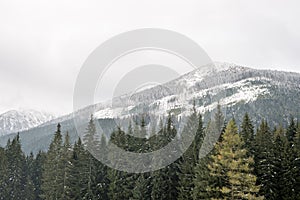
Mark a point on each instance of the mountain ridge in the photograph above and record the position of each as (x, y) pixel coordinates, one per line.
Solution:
(261, 93)
(22, 119)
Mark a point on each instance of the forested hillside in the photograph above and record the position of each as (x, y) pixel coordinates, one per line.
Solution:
(246, 163)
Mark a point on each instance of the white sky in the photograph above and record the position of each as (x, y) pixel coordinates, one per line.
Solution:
(44, 43)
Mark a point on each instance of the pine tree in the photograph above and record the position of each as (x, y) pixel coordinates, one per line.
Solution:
(159, 188)
(36, 173)
(3, 174)
(283, 167)
(190, 157)
(291, 130)
(187, 162)
(233, 166)
(91, 141)
(102, 180)
(202, 180)
(53, 175)
(141, 190)
(16, 176)
(29, 189)
(165, 182)
(79, 172)
(247, 133)
(66, 164)
(264, 160)
(219, 121)
(197, 144)
(296, 170)
(120, 182)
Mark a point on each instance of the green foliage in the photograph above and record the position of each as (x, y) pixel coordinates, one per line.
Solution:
(232, 165)
(247, 134)
(190, 157)
(291, 130)
(53, 169)
(264, 159)
(16, 176)
(142, 191)
(78, 172)
(3, 173)
(202, 180)
(297, 162)
(247, 165)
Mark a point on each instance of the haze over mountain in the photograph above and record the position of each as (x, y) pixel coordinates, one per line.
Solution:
(261, 93)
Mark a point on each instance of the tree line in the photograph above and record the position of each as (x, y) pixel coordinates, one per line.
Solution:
(245, 163)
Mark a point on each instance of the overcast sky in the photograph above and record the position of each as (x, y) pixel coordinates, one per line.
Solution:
(44, 43)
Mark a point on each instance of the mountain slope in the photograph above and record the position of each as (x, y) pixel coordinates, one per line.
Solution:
(227, 84)
(262, 93)
(16, 121)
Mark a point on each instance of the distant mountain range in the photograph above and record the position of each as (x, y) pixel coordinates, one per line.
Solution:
(262, 93)
(20, 120)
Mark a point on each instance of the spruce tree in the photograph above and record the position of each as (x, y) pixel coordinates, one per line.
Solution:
(141, 189)
(296, 171)
(202, 180)
(102, 180)
(36, 173)
(291, 130)
(190, 158)
(187, 162)
(53, 173)
(66, 164)
(91, 141)
(197, 144)
(165, 182)
(233, 166)
(264, 159)
(121, 183)
(219, 121)
(3, 174)
(247, 133)
(79, 172)
(283, 168)
(29, 189)
(16, 176)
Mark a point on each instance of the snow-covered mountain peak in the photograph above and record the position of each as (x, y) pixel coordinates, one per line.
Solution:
(199, 74)
(23, 119)
(224, 83)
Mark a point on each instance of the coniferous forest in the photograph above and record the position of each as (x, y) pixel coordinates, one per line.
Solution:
(247, 162)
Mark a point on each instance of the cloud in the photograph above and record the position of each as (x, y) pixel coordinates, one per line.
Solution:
(43, 44)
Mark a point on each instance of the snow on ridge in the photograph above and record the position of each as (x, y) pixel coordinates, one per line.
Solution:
(246, 92)
(23, 119)
(107, 113)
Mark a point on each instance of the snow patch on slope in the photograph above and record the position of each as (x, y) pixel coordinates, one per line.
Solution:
(15, 121)
(245, 90)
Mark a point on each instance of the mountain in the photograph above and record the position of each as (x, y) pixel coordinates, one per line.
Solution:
(236, 88)
(262, 93)
(17, 121)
